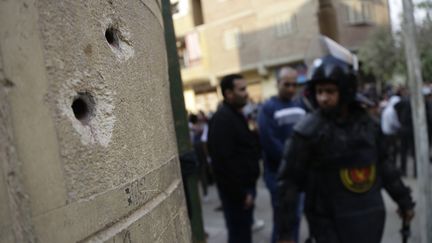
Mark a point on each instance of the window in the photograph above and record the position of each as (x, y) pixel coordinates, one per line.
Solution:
(197, 12)
(284, 25)
(182, 53)
(189, 50)
(360, 12)
(232, 38)
(193, 48)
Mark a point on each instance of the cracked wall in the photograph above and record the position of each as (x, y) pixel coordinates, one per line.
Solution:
(86, 125)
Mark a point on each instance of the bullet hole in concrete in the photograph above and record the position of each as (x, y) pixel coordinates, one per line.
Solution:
(127, 190)
(111, 36)
(83, 107)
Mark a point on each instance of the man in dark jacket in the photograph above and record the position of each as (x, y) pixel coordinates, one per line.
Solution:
(234, 150)
(406, 133)
(337, 157)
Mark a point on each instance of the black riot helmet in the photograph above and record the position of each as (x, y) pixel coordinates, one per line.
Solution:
(332, 63)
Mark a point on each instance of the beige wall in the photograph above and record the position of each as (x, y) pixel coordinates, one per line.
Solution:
(277, 50)
(262, 48)
(215, 10)
(259, 44)
(225, 60)
(190, 101)
(184, 22)
(112, 175)
(353, 35)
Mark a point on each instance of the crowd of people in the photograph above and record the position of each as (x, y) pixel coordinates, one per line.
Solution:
(397, 124)
(328, 149)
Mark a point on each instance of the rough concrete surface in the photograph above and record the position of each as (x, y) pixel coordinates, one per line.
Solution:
(84, 87)
(14, 206)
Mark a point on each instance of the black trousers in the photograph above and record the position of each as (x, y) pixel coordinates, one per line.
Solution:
(238, 220)
(407, 149)
(392, 142)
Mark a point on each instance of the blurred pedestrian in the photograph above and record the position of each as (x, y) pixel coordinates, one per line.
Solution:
(404, 112)
(275, 121)
(406, 134)
(391, 126)
(337, 157)
(427, 93)
(199, 128)
(234, 150)
(204, 136)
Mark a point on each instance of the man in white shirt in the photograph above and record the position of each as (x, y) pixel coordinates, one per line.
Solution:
(390, 126)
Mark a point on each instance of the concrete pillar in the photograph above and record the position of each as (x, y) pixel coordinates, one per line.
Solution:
(87, 142)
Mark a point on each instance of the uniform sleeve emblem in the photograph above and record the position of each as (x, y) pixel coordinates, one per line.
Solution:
(358, 180)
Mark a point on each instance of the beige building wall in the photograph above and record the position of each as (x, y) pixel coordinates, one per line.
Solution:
(87, 143)
(230, 51)
(286, 30)
(183, 20)
(259, 36)
(216, 10)
(190, 100)
(353, 33)
(269, 87)
(198, 72)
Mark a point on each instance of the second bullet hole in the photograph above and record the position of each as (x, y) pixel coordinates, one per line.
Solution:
(111, 35)
(83, 107)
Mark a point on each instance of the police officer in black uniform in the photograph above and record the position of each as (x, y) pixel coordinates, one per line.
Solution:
(336, 156)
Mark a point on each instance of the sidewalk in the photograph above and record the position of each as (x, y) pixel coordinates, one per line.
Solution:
(215, 225)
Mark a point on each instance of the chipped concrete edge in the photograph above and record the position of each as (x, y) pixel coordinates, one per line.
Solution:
(18, 200)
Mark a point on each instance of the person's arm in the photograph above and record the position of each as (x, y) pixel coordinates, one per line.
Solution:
(268, 129)
(291, 179)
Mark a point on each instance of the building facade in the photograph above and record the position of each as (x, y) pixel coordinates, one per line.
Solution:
(255, 37)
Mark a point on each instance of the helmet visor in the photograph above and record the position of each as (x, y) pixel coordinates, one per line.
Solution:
(322, 46)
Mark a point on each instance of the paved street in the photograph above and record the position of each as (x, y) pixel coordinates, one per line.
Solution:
(214, 223)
